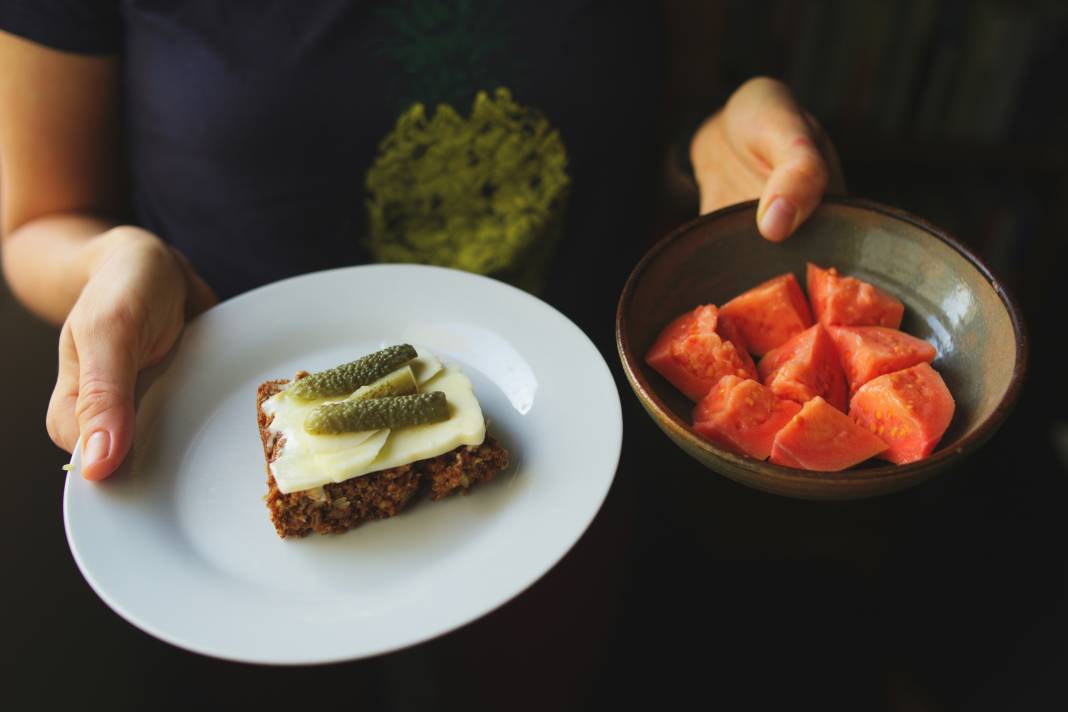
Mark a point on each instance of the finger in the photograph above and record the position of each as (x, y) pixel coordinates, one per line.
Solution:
(105, 407)
(61, 422)
(798, 179)
(721, 176)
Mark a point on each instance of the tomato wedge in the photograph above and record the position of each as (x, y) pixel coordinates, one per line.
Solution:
(742, 416)
(727, 330)
(870, 351)
(823, 438)
(769, 314)
(804, 367)
(848, 301)
(693, 354)
(909, 410)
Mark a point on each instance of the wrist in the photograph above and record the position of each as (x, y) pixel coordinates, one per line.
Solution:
(136, 251)
(127, 241)
(145, 250)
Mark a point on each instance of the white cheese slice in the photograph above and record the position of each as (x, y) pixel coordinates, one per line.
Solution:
(302, 467)
(425, 366)
(308, 461)
(465, 426)
(289, 415)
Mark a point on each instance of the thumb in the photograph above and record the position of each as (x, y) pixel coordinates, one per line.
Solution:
(105, 407)
(798, 179)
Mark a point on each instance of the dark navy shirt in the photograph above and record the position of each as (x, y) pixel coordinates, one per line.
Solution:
(250, 127)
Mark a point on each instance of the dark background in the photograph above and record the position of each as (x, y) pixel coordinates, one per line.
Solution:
(689, 587)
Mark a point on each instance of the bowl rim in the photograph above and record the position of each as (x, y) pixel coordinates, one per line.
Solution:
(889, 473)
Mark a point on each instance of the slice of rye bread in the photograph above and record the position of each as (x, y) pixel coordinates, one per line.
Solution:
(343, 505)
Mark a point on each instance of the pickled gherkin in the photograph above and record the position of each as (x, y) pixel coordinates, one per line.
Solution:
(344, 379)
(350, 416)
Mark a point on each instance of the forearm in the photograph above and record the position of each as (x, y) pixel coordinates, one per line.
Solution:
(48, 261)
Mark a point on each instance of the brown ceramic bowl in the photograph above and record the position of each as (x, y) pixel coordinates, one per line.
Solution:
(951, 300)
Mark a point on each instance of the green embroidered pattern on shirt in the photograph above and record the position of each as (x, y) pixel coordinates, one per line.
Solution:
(483, 193)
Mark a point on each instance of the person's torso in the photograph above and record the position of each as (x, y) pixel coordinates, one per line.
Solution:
(267, 139)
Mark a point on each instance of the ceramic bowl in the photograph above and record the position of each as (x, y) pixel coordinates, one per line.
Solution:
(951, 300)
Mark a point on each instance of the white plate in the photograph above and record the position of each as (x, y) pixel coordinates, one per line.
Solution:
(179, 541)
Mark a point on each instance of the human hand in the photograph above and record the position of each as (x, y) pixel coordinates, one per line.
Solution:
(763, 144)
(127, 317)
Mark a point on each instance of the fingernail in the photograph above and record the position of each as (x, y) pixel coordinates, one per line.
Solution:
(96, 448)
(778, 219)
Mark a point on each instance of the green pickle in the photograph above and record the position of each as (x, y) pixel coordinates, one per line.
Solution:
(349, 416)
(346, 378)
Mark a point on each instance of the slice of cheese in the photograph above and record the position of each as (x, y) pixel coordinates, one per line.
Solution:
(465, 426)
(425, 366)
(309, 461)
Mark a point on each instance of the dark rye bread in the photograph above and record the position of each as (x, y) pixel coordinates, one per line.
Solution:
(344, 505)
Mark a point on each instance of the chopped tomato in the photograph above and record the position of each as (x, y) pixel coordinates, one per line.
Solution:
(742, 416)
(769, 314)
(804, 367)
(727, 330)
(793, 406)
(909, 410)
(848, 301)
(870, 351)
(823, 438)
(693, 355)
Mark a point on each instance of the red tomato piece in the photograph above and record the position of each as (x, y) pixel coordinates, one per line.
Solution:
(769, 314)
(804, 367)
(825, 439)
(727, 330)
(848, 301)
(742, 416)
(909, 410)
(871, 351)
(692, 355)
